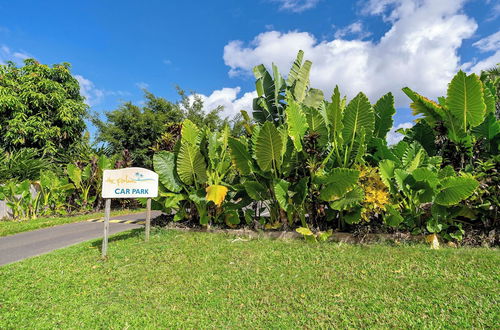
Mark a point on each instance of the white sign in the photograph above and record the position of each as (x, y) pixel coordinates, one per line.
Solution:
(132, 182)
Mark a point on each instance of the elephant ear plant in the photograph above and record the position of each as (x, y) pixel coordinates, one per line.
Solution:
(459, 126)
(193, 177)
(20, 199)
(54, 192)
(315, 163)
(426, 197)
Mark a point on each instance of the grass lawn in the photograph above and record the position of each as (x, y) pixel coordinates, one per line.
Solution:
(9, 227)
(200, 280)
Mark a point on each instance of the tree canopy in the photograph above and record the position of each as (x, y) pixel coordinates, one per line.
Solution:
(40, 107)
(139, 129)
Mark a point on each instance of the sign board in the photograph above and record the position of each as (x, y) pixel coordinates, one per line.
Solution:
(132, 182)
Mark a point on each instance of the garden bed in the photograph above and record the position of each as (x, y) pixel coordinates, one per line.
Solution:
(362, 234)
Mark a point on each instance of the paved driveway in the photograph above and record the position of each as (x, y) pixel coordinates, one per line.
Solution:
(24, 245)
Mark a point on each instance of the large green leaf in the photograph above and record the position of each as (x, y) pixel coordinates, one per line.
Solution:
(489, 128)
(302, 81)
(465, 99)
(296, 122)
(386, 171)
(190, 132)
(281, 193)
(350, 199)
(300, 191)
(489, 100)
(393, 217)
(381, 150)
(294, 70)
(423, 134)
(191, 165)
(75, 174)
(265, 105)
(268, 148)
(240, 156)
(104, 163)
(337, 182)
(317, 125)
(314, 98)
(384, 110)
(455, 189)
(256, 191)
(402, 178)
(334, 112)
(421, 105)
(164, 165)
(358, 115)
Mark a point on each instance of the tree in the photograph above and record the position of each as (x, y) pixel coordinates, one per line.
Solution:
(144, 130)
(40, 107)
(134, 129)
(192, 106)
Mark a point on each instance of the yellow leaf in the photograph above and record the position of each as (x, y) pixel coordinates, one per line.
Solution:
(216, 193)
(433, 241)
(275, 225)
(304, 231)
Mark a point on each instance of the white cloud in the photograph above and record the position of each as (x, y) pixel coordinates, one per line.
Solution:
(484, 64)
(394, 137)
(494, 12)
(6, 54)
(228, 98)
(490, 43)
(355, 28)
(297, 6)
(419, 50)
(142, 85)
(93, 95)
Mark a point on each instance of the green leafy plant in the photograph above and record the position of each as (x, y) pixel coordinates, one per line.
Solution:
(428, 197)
(54, 193)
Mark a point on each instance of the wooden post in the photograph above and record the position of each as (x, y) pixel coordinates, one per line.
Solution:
(107, 211)
(148, 218)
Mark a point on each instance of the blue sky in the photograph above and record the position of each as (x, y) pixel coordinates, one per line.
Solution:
(118, 47)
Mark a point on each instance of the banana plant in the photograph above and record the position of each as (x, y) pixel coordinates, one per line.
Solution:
(429, 196)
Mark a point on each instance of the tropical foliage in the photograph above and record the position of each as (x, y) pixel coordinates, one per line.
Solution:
(40, 107)
(325, 164)
(304, 161)
(143, 130)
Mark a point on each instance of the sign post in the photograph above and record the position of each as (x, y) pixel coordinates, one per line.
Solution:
(148, 218)
(107, 211)
(132, 182)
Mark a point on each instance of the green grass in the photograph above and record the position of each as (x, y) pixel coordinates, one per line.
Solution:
(200, 280)
(10, 227)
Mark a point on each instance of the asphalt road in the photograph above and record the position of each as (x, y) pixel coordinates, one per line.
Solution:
(33, 243)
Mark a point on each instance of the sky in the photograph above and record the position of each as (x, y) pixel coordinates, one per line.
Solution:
(118, 48)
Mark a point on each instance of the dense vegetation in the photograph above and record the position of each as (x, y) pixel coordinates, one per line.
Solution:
(40, 108)
(325, 164)
(301, 162)
(143, 130)
(48, 165)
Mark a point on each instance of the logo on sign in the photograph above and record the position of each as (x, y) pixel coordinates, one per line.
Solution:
(129, 183)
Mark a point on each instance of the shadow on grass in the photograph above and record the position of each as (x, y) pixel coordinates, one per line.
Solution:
(120, 237)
